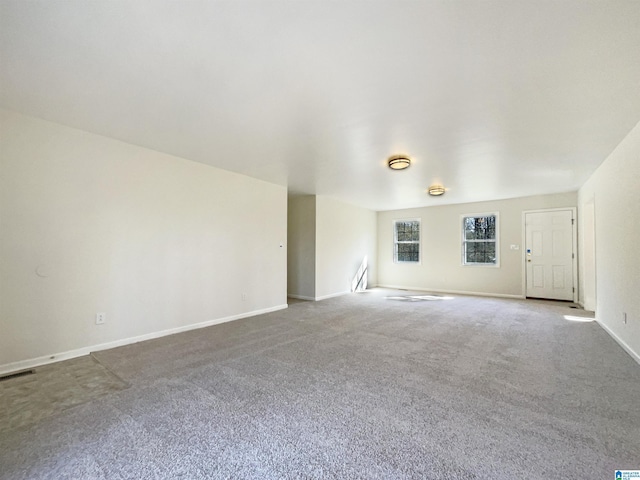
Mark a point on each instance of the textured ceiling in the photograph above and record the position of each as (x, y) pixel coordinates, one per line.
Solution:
(492, 99)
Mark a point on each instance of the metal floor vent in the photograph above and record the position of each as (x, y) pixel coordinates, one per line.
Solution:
(22, 373)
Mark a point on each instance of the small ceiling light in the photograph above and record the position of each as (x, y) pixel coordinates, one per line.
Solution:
(398, 162)
(436, 190)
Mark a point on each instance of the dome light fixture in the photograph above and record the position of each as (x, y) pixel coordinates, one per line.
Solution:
(436, 190)
(398, 162)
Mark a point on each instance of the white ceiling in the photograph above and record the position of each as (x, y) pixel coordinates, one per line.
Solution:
(495, 99)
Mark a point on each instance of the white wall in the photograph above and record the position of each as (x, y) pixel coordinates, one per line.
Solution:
(90, 224)
(301, 243)
(615, 190)
(587, 254)
(441, 267)
(345, 234)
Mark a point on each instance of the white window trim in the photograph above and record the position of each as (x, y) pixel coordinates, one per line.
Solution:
(497, 241)
(393, 243)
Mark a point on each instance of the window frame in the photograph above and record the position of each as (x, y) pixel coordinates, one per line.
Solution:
(464, 240)
(395, 241)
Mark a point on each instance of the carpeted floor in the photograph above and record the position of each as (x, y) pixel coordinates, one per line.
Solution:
(27, 400)
(360, 386)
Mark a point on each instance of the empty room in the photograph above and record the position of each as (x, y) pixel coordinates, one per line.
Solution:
(263, 239)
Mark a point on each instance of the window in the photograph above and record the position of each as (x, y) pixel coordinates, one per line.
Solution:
(479, 239)
(406, 241)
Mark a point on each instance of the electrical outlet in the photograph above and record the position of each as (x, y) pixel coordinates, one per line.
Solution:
(101, 317)
(624, 318)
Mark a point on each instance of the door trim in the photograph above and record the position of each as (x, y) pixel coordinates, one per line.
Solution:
(574, 260)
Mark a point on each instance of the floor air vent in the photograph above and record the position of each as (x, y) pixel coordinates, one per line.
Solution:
(9, 376)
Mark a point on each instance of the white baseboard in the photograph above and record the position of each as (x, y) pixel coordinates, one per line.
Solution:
(315, 299)
(44, 360)
(300, 297)
(456, 292)
(338, 294)
(621, 342)
(79, 352)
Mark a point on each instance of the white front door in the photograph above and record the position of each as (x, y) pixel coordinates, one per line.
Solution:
(549, 254)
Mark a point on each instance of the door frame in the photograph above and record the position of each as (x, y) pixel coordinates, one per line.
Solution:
(574, 260)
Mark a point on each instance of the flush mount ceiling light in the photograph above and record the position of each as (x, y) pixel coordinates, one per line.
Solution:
(436, 190)
(399, 162)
